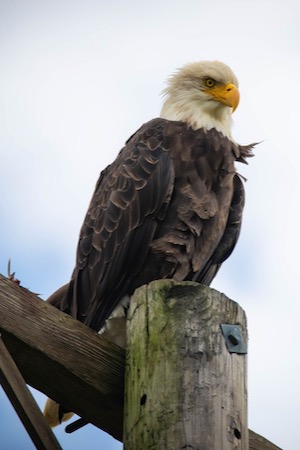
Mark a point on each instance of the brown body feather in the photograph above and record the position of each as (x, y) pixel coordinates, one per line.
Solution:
(169, 206)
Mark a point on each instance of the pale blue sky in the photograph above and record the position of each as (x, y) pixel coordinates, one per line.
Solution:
(76, 80)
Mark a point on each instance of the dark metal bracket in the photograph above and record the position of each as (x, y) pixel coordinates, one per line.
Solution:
(234, 338)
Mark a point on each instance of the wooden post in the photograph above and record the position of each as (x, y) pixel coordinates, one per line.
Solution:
(183, 388)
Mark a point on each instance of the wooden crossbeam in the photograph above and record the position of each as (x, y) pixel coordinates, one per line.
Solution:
(63, 358)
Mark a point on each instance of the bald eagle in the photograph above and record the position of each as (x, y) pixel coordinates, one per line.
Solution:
(169, 206)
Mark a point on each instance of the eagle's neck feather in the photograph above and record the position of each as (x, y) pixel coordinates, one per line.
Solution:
(198, 114)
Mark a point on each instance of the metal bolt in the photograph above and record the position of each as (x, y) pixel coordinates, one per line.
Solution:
(234, 337)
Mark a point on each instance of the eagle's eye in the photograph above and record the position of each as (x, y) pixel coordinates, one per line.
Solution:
(209, 82)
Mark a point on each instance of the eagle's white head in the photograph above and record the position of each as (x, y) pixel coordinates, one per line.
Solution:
(203, 94)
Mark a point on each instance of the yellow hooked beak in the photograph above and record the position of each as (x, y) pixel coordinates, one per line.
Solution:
(228, 94)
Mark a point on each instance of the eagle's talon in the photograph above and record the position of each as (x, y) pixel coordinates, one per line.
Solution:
(11, 276)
